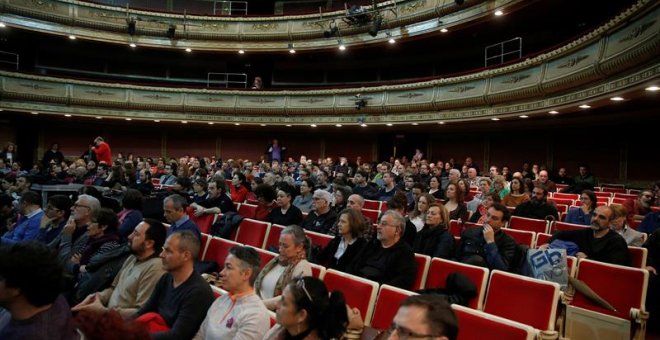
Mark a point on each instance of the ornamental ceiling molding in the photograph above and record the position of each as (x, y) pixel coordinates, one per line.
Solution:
(402, 18)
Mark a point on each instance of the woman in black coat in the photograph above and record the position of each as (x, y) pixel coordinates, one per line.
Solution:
(341, 251)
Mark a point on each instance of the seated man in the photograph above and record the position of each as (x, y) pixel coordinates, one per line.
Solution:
(640, 207)
(424, 316)
(178, 304)
(240, 314)
(31, 280)
(489, 246)
(322, 216)
(650, 223)
(387, 259)
(598, 242)
(174, 208)
(485, 186)
(28, 226)
(546, 182)
(217, 201)
(537, 207)
(8, 212)
(138, 276)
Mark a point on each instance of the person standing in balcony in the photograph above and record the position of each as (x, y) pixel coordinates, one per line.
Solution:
(102, 151)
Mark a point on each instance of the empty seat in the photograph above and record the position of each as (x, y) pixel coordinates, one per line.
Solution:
(359, 293)
(371, 214)
(247, 210)
(526, 300)
(318, 239)
(562, 208)
(565, 196)
(529, 224)
(564, 201)
(423, 264)
(603, 194)
(273, 237)
(475, 324)
(561, 226)
(441, 268)
(623, 195)
(626, 293)
(252, 232)
(371, 205)
(389, 299)
(638, 256)
(522, 237)
(218, 249)
(621, 190)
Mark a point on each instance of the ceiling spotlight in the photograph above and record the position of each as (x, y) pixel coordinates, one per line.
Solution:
(237, 124)
(338, 125)
(499, 13)
(211, 123)
(99, 117)
(363, 125)
(523, 116)
(241, 52)
(262, 124)
(128, 119)
(415, 124)
(188, 49)
(156, 120)
(67, 115)
(495, 119)
(171, 32)
(342, 47)
(584, 106)
(34, 112)
(184, 122)
(72, 37)
(444, 30)
(288, 125)
(291, 49)
(391, 39)
(313, 125)
(131, 26)
(553, 112)
(132, 45)
(2, 25)
(441, 123)
(389, 124)
(616, 99)
(653, 88)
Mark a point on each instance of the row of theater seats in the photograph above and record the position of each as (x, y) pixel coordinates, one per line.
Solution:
(506, 303)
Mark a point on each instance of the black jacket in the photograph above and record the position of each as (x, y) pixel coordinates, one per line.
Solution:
(327, 256)
(394, 266)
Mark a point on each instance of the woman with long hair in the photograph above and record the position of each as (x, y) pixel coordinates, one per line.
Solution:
(341, 251)
(517, 194)
(435, 189)
(434, 239)
(238, 189)
(418, 215)
(455, 204)
(480, 216)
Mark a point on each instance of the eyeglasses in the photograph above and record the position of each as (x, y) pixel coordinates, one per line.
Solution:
(301, 284)
(50, 207)
(76, 205)
(405, 333)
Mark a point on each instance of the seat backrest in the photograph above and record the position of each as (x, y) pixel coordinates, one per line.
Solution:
(389, 299)
(423, 264)
(359, 293)
(615, 190)
(273, 237)
(265, 256)
(318, 239)
(564, 201)
(383, 206)
(638, 256)
(619, 200)
(371, 204)
(475, 324)
(529, 224)
(204, 243)
(561, 226)
(318, 271)
(541, 239)
(371, 214)
(562, 208)
(441, 268)
(218, 249)
(252, 232)
(624, 195)
(603, 194)
(247, 210)
(204, 222)
(627, 291)
(522, 237)
(561, 195)
(522, 299)
(455, 228)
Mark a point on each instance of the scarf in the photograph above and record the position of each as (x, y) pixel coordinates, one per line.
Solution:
(94, 244)
(283, 280)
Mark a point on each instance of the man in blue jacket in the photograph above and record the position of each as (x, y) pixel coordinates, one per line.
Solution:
(27, 227)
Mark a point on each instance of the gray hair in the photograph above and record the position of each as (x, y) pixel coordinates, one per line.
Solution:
(398, 219)
(188, 241)
(92, 202)
(324, 195)
(298, 234)
(178, 201)
(455, 172)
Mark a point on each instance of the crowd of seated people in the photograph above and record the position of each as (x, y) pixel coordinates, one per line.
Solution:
(137, 267)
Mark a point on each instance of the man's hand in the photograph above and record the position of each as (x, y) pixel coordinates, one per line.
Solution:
(489, 234)
(70, 227)
(91, 303)
(75, 259)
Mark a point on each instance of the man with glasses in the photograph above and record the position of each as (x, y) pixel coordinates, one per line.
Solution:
(322, 217)
(168, 178)
(598, 242)
(56, 214)
(27, 227)
(537, 207)
(388, 259)
(240, 314)
(424, 317)
(638, 208)
(174, 210)
(137, 277)
(73, 237)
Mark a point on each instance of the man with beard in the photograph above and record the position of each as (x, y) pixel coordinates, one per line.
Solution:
(138, 276)
(537, 207)
(638, 208)
(598, 242)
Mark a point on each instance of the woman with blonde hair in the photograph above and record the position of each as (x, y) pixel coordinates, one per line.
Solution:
(418, 215)
(434, 239)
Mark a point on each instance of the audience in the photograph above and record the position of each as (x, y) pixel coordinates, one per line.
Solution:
(322, 216)
(538, 206)
(285, 213)
(28, 226)
(55, 217)
(583, 213)
(341, 251)
(620, 225)
(424, 316)
(641, 206)
(434, 239)
(174, 210)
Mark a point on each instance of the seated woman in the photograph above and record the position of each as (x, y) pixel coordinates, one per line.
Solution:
(435, 189)
(464, 185)
(619, 223)
(131, 215)
(480, 216)
(254, 183)
(265, 202)
(435, 240)
(102, 256)
(286, 213)
(305, 199)
(342, 249)
(307, 311)
(418, 216)
(517, 194)
(398, 203)
(341, 194)
(238, 189)
(585, 212)
(455, 204)
(499, 186)
(292, 262)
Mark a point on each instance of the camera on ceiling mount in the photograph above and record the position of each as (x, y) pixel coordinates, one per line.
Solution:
(360, 102)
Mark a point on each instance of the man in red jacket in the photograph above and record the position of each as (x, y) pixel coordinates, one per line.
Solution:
(102, 150)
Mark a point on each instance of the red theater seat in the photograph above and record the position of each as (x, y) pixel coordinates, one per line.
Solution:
(522, 237)
(273, 237)
(247, 210)
(423, 264)
(529, 224)
(318, 239)
(359, 293)
(389, 299)
(474, 324)
(441, 268)
(252, 232)
(218, 249)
